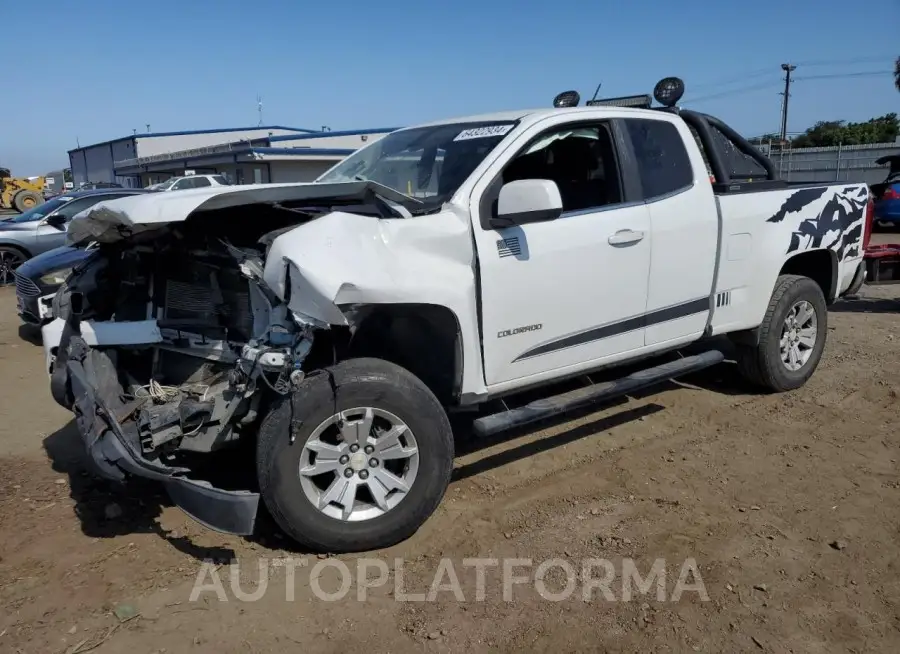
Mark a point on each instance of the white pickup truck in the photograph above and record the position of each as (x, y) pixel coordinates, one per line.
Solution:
(444, 266)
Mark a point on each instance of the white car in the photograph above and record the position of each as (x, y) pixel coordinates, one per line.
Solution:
(338, 323)
(189, 181)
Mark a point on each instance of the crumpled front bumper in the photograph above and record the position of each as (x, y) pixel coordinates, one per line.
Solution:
(116, 454)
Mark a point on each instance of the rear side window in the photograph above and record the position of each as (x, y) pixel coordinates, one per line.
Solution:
(201, 181)
(740, 166)
(79, 205)
(662, 159)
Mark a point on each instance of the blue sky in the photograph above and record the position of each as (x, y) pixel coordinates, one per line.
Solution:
(94, 70)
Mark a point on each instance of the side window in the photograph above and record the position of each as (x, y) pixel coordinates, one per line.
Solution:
(200, 182)
(579, 158)
(182, 184)
(77, 206)
(662, 159)
(740, 165)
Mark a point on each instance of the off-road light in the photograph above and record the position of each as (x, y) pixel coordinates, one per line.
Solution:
(567, 99)
(668, 91)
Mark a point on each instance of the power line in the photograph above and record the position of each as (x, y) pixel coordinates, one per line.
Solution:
(738, 91)
(764, 72)
(867, 73)
(767, 72)
(773, 84)
(846, 62)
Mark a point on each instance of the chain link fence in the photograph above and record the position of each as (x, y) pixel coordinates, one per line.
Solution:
(841, 163)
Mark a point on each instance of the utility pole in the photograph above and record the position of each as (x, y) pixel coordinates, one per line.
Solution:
(788, 69)
(259, 109)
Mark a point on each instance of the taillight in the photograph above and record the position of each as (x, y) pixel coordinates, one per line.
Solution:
(870, 219)
(890, 193)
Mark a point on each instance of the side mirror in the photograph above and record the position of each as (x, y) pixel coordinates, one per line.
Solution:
(527, 201)
(55, 220)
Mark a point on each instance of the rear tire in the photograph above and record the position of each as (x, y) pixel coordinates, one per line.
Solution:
(296, 422)
(768, 364)
(26, 200)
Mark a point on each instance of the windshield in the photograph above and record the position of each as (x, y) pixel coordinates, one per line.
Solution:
(428, 163)
(41, 210)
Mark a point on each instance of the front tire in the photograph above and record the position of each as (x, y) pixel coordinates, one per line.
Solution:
(791, 336)
(355, 459)
(10, 260)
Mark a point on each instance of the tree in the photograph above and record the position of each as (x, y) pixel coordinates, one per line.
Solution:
(883, 129)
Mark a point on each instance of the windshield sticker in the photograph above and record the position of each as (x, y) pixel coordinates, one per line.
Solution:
(483, 132)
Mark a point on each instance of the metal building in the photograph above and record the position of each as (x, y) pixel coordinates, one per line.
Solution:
(245, 155)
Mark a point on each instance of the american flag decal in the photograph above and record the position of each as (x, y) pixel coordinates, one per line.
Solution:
(508, 247)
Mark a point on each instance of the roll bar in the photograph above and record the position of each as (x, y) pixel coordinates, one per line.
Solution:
(703, 124)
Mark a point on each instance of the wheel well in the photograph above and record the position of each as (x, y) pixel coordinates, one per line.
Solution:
(423, 338)
(17, 247)
(819, 265)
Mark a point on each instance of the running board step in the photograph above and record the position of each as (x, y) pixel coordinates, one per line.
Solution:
(558, 404)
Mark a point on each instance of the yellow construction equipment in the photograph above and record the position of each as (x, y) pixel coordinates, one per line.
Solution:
(20, 193)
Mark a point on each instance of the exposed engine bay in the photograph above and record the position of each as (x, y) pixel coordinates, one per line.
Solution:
(196, 331)
(203, 313)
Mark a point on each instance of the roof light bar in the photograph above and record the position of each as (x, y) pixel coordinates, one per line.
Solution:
(641, 101)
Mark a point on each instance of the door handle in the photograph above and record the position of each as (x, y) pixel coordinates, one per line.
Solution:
(626, 237)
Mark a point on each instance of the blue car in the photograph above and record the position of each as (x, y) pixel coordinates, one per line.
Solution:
(887, 194)
(38, 279)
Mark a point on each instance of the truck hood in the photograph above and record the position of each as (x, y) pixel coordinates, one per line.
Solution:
(113, 220)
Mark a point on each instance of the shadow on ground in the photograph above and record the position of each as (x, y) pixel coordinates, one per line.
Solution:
(107, 509)
(723, 379)
(866, 305)
(31, 334)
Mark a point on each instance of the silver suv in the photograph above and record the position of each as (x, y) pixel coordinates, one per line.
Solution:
(44, 227)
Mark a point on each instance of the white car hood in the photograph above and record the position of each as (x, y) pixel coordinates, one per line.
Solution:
(113, 220)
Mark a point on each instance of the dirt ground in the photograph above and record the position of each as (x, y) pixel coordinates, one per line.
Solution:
(789, 504)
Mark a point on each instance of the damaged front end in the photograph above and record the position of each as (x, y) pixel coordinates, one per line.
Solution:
(171, 344)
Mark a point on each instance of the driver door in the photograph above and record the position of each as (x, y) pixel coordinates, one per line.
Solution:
(564, 294)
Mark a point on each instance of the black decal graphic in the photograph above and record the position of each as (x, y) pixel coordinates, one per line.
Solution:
(700, 305)
(797, 201)
(850, 242)
(835, 222)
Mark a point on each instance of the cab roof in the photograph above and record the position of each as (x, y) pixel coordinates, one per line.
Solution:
(537, 114)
